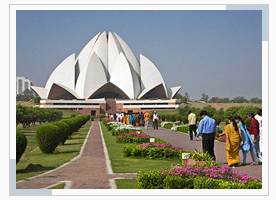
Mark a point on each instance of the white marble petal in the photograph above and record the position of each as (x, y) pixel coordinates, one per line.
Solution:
(129, 55)
(90, 79)
(122, 76)
(84, 55)
(63, 74)
(100, 48)
(150, 75)
(114, 49)
(40, 91)
(174, 91)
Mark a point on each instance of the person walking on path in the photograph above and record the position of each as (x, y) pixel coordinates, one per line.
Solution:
(155, 120)
(248, 144)
(254, 130)
(207, 127)
(146, 117)
(192, 124)
(233, 139)
(258, 117)
(142, 119)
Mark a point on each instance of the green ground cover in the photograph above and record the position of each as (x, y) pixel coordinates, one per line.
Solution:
(69, 113)
(121, 164)
(126, 183)
(59, 186)
(33, 154)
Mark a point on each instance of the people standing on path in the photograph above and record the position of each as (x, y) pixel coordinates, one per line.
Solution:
(254, 130)
(248, 144)
(146, 117)
(233, 139)
(142, 119)
(207, 127)
(155, 120)
(192, 124)
(258, 117)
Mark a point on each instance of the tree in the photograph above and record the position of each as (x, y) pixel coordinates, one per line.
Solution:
(239, 99)
(178, 96)
(204, 97)
(184, 99)
(187, 96)
(255, 100)
(25, 96)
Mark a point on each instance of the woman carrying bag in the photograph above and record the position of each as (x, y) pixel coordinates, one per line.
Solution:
(248, 144)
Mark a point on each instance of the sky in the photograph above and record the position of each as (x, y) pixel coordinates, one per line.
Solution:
(218, 53)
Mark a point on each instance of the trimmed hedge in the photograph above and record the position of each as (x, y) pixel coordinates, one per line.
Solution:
(48, 138)
(64, 130)
(21, 144)
(152, 152)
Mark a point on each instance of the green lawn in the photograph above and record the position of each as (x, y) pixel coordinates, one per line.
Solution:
(122, 164)
(126, 183)
(59, 186)
(69, 113)
(33, 154)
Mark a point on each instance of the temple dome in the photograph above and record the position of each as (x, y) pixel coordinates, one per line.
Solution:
(105, 67)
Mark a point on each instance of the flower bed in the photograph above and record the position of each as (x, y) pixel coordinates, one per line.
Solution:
(153, 150)
(137, 137)
(117, 128)
(212, 177)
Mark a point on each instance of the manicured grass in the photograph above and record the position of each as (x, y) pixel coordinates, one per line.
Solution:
(121, 164)
(33, 154)
(126, 183)
(69, 113)
(59, 186)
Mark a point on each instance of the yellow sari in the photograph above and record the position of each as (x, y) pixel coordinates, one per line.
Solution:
(232, 145)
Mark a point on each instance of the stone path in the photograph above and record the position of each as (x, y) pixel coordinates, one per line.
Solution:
(182, 139)
(90, 170)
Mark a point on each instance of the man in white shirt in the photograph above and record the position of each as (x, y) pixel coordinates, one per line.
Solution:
(155, 120)
(192, 124)
(258, 117)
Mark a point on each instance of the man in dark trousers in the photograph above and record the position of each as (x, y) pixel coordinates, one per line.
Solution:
(192, 124)
(207, 127)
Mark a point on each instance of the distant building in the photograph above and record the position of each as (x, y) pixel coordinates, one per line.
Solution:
(22, 84)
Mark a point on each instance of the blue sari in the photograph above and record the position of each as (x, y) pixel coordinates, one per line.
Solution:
(247, 140)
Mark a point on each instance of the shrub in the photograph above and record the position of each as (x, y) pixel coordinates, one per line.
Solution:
(64, 130)
(47, 137)
(168, 117)
(245, 110)
(183, 129)
(168, 126)
(172, 118)
(178, 118)
(21, 144)
(184, 120)
(101, 116)
(247, 122)
(226, 121)
(217, 119)
(163, 117)
(70, 123)
(231, 112)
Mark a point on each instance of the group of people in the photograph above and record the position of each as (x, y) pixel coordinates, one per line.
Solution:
(135, 119)
(238, 136)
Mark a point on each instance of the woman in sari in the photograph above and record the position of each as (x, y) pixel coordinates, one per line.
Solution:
(233, 135)
(248, 144)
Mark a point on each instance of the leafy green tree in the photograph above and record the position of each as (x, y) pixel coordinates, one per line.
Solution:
(204, 97)
(210, 110)
(243, 112)
(255, 100)
(178, 96)
(187, 96)
(239, 99)
(184, 99)
(231, 112)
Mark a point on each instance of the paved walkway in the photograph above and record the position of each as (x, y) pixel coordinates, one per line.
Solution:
(182, 139)
(87, 171)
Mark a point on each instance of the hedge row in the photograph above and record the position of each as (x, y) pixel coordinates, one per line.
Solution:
(136, 138)
(50, 136)
(21, 144)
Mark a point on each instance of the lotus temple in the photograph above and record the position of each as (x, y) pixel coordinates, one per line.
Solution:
(106, 77)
